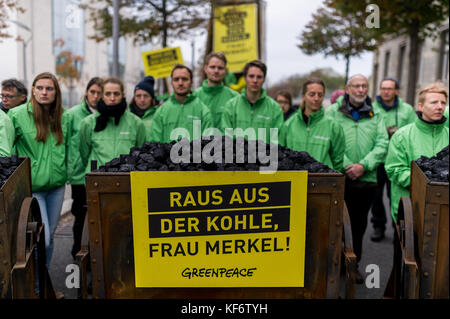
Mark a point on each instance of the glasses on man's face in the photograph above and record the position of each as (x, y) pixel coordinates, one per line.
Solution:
(358, 86)
(8, 96)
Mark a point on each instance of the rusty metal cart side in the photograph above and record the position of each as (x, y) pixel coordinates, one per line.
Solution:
(12, 194)
(111, 244)
(421, 254)
(22, 244)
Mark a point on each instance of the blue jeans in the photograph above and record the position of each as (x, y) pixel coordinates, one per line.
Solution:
(50, 203)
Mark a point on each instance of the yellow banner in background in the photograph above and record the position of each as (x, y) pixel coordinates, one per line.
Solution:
(159, 63)
(219, 229)
(236, 34)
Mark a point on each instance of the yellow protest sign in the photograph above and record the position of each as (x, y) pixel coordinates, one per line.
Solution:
(235, 33)
(219, 229)
(159, 63)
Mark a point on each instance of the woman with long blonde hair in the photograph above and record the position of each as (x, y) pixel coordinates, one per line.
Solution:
(41, 134)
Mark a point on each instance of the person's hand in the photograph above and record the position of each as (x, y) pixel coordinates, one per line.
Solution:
(354, 171)
(391, 130)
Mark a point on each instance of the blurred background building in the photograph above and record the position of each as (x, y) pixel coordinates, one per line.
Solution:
(391, 59)
(57, 30)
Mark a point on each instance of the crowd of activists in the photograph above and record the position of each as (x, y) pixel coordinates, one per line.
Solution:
(371, 141)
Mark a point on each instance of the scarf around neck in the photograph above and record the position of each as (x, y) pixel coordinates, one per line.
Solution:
(136, 110)
(441, 121)
(107, 111)
(387, 107)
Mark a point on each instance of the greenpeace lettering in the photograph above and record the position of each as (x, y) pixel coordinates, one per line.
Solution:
(212, 152)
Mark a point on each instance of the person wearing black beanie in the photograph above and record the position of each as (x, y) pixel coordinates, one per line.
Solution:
(111, 131)
(144, 102)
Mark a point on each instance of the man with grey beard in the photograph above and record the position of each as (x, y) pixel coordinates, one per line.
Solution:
(366, 142)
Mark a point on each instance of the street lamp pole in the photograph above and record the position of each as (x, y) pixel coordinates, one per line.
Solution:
(116, 39)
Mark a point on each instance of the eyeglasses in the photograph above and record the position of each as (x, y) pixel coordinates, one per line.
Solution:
(9, 97)
(362, 86)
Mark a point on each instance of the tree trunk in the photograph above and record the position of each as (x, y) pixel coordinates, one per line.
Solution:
(164, 14)
(347, 57)
(413, 62)
(347, 68)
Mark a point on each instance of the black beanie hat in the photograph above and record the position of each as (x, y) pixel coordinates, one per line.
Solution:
(147, 85)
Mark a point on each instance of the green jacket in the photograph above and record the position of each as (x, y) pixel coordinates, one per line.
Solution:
(265, 113)
(113, 141)
(446, 115)
(322, 138)
(173, 115)
(75, 168)
(215, 98)
(48, 160)
(6, 135)
(408, 144)
(402, 115)
(148, 119)
(366, 140)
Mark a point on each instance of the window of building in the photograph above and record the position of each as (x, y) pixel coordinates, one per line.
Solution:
(68, 26)
(375, 80)
(421, 59)
(68, 45)
(443, 57)
(387, 56)
(401, 59)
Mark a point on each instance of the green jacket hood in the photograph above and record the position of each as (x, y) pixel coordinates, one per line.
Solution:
(211, 89)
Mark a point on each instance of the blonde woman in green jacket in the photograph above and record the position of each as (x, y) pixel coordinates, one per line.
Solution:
(75, 167)
(425, 137)
(113, 130)
(310, 130)
(6, 135)
(41, 133)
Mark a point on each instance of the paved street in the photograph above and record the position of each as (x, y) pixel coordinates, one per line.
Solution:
(379, 254)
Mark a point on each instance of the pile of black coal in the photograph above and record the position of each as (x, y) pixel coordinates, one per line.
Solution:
(219, 154)
(436, 167)
(7, 166)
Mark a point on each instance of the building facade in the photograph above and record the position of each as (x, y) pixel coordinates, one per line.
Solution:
(391, 60)
(50, 27)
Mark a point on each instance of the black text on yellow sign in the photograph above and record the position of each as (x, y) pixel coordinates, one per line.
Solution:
(220, 247)
(196, 229)
(216, 223)
(219, 209)
(219, 197)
